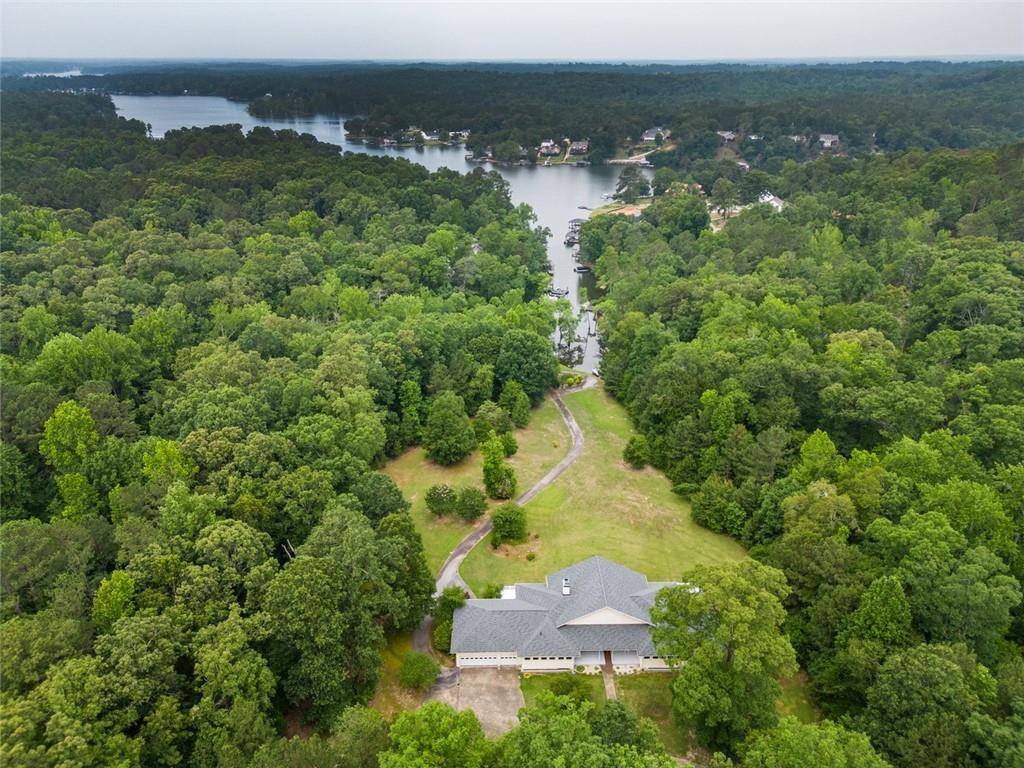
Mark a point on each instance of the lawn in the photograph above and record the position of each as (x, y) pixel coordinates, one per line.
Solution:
(533, 684)
(391, 698)
(796, 700)
(542, 444)
(649, 694)
(601, 506)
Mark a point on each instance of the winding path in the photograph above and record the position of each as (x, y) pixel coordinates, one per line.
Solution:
(449, 574)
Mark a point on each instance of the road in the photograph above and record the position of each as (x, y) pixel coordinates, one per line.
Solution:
(449, 574)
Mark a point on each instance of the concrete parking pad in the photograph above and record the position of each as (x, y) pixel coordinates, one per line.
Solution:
(493, 694)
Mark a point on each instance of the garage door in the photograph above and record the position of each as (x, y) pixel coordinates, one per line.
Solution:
(486, 660)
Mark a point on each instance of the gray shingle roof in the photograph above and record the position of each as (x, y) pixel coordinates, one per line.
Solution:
(534, 622)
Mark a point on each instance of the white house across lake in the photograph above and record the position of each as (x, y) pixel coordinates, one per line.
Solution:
(593, 614)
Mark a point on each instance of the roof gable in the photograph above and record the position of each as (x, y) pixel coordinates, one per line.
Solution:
(604, 615)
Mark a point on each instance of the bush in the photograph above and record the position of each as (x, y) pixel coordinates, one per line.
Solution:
(441, 500)
(442, 637)
(418, 671)
(470, 503)
(491, 417)
(509, 522)
(637, 452)
(509, 443)
(531, 556)
(491, 591)
(572, 686)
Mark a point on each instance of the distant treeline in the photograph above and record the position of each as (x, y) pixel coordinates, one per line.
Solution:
(886, 106)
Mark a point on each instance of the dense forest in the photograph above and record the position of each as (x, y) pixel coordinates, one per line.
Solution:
(212, 342)
(887, 106)
(838, 384)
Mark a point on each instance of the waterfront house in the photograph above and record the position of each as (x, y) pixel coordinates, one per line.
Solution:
(828, 140)
(579, 147)
(727, 136)
(651, 134)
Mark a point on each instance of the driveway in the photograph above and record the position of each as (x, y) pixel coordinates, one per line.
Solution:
(494, 696)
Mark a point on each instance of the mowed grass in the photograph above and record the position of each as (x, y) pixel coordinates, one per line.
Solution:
(542, 444)
(391, 697)
(796, 700)
(533, 684)
(602, 506)
(649, 694)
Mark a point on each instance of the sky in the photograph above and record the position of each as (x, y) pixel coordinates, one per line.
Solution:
(672, 30)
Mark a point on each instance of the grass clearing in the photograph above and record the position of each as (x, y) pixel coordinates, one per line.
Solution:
(542, 444)
(649, 694)
(601, 506)
(796, 700)
(533, 684)
(391, 696)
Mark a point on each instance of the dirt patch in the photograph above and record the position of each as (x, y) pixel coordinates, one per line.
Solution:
(494, 696)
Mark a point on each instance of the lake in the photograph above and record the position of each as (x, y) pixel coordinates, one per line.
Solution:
(555, 193)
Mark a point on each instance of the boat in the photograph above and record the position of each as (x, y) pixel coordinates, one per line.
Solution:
(557, 293)
(581, 268)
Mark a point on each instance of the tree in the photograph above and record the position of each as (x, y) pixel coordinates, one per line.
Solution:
(723, 195)
(722, 630)
(435, 735)
(448, 436)
(515, 402)
(113, 599)
(499, 477)
(441, 500)
(418, 671)
(491, 417)
(509, 525)
(359, 736)
(554, 731)
(632, 185)
(526, 358)
(69, 437)
(637, 452)
(918, 709)
(378, 496)
(793, 744)
(470, 503)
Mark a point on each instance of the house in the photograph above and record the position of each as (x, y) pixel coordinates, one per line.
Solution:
(549, 149)
(727, 136)
(579, 147)
(828, 140)
(774, 201)
(743, 164)
(594, 613)
(755, 137)
(796, 138)
(651, 134)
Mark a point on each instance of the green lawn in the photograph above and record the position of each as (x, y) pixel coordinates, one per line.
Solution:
(649, 694)
(796, 700)
(533, 684)
(541, 445)
(601, 506)
(391, 697)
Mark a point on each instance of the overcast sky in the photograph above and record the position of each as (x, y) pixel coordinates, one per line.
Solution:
(479, 29)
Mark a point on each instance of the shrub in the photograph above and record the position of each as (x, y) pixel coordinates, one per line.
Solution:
(509, 522)
(510, 444)
(531, 556)
(572, 686)
(418, 671)
(637, 452)
(470, 503)
(442, 637)
(491, 591)
(441, 500)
